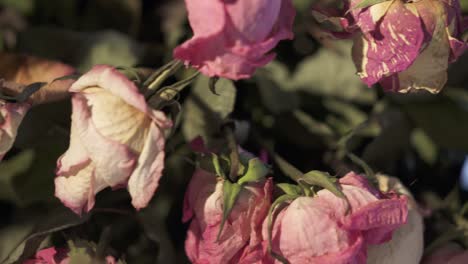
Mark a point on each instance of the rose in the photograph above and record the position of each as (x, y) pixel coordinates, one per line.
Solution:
(407, 243)
(329, 229)
(240, 240)
(11, 115)
(231, 37)
(403, 45)
(116, 140)
(19, 70)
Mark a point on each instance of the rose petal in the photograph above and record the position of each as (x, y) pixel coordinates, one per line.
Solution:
(145, 178)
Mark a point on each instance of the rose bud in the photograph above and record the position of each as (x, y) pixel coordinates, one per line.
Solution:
(407, 243)
(329, 229)
(450, 253)
(116, 140)
(11, 115)
(240, 238)
(232, 38)
(403, 45)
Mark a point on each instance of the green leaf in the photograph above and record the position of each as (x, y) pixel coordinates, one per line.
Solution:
(390, 144)
(24, 6)
(288, 169)
(443, 119)
(11, 168)
(324, 180)
(451, 233)
(29, 90)
(212, 163)
(212, 84)
(424, 146)
(272, 81)
(204, 112)
(367, 3)
(367, 169)
(82, 50)
(80, 254)
(290, 189)
(231, 192)
(68, 77)
(62, 219)
(312, 125)
(256, 170)
(330, 72)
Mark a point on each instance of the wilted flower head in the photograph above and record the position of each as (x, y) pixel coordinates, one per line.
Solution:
(116, 141)
(23, 70)
(407, 243)
(403, 45)
(16, 72)
(329, 229)
(240, 240)
(232, 37)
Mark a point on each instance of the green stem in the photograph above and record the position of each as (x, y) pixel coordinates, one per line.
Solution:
(158, 77)
(234, 156)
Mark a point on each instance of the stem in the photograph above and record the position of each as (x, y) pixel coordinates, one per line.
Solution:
(169, 92)
(159, 76)
(234, 156)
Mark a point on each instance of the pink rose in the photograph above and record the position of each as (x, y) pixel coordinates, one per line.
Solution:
(232, 37)
(450, 253)
(116, 140)
(320, 229)
(11, 115)
(240, 241)
(403, 45)
(57, 256)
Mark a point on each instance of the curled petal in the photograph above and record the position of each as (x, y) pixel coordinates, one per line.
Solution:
(390, 48)
(112, 169)
(145, 178)
(110, 79)
(235, 39)
(77, 191)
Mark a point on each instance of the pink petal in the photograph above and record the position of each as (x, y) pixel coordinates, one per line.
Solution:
(108, 78)
(392, 47)
(77, 191)
(298, 236)
(254, 19)
(380, 218)
(76, 156)
(359, 181)
(112, 169)
(145, 178)
(203, 25)
(234, 47)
